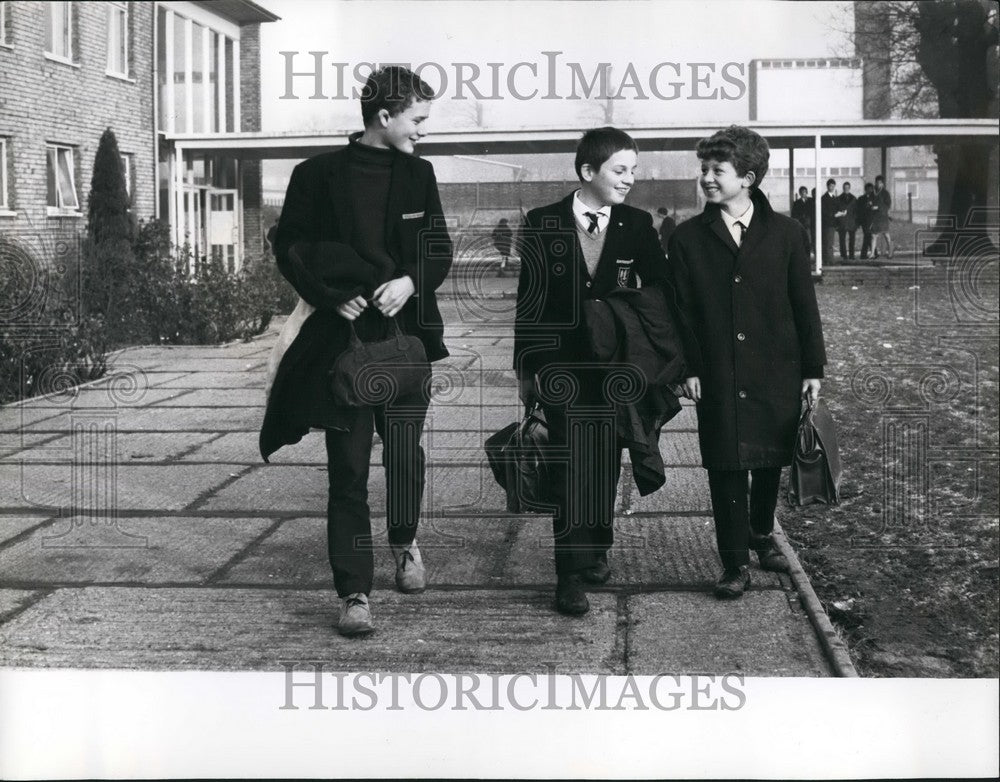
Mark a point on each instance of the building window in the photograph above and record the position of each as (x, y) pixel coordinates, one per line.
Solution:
(118, 39)
(60, 166)
(913, 190)
(4, 36)
(4, 203)
(127, 172)
(59, 30)
(199, 71)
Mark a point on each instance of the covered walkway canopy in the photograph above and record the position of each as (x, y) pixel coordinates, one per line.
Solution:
(880, 134)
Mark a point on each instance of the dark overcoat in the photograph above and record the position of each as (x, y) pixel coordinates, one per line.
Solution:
(318, 208)
(752, 331)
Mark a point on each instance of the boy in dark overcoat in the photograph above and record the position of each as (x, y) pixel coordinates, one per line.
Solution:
(754, 344)
(372, 211)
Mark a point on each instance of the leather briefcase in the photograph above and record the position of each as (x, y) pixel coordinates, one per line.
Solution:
(376, 373)
(517, 458)
(816, 469)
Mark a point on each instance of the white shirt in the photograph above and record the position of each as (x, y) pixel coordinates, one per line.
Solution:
(731, 222)
(580, 210)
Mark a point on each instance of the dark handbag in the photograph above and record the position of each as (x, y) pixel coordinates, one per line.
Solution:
(517, 458)
(816, 470)
(374, 373)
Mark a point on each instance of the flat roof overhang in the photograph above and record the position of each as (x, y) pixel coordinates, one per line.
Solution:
(868, 133)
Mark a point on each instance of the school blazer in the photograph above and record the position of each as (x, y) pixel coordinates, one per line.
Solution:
(554, 282)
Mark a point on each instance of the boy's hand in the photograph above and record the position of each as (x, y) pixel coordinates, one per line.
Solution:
(810, 390)
(353, 308)
(391, 296)
(692, 389)
(526, 390)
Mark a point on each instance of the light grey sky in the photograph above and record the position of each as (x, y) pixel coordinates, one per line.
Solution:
(620, 32)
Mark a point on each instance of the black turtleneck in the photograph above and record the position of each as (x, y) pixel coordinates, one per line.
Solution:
(370, 170)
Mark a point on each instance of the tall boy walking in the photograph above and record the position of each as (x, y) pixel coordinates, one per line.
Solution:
(361, 239)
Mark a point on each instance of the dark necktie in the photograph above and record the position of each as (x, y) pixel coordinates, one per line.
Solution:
(593, 222)
(743, 232)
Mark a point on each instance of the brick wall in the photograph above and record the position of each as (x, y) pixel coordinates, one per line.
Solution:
(253, 217)
(46, 101)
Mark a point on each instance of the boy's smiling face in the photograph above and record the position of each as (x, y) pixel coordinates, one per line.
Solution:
(404, 130)
(610, 184)
(721, 184)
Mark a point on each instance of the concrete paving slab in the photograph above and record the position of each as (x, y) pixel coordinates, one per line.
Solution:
(219, 397)
(14, 444)
(211, 363)
(448, 489)
(242, 448)
(473, 418)
(651, 553)
(101, 397)
(680, 449)
(130, 487)
(12, 525)
(690, 632)
(131, 447)
(686, 491)
(456, 552)
(15, 419)
(255, 629)
(11, 601)
(686, 419)
(202, 419)
(200, 380)
(135, 550)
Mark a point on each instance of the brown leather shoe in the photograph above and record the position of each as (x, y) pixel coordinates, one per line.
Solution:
(733, 583)
(570, 596)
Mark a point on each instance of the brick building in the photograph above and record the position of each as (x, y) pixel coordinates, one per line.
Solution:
(68, 70)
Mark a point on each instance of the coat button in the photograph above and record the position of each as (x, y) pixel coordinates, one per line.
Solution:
(588, 284)
(737, 279)
(743, 394)
(741, 336)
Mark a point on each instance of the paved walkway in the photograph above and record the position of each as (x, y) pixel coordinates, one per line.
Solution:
(140, 529)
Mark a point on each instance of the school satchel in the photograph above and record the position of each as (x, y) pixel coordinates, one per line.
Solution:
(516, 457)
(815, 474)
(374, 373)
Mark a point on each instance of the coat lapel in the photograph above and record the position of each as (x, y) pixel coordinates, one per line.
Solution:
(340, 195)
(394, 206)
(718, 227)
(568, 222)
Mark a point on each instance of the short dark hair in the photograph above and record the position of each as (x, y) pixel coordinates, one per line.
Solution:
(803, 189)
(831, 182)
(744, 148)
(869, 184)
(597, 145)
(846, 184)
(880, 178)
(393, 88)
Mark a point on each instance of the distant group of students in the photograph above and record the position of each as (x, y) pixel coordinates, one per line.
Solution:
(729, 322)
(842, 214)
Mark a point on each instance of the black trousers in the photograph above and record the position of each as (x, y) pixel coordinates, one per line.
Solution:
(866, 242)
(847, 248)
(738, 527)
(585, 465)
(349, 534)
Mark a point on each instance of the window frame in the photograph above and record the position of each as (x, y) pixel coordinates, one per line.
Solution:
(128, 169)
(121, 45)
(60, 208)
(4, 19)
(4, 195)
(51, 9)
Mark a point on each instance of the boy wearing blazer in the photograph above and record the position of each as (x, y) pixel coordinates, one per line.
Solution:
(574, 251)
(375, 203)
(754, 344)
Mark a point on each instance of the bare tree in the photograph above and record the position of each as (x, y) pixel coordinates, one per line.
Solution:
(936, 58)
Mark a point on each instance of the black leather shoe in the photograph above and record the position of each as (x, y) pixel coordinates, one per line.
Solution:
(598, 573)
(570, 597)
(733, 583)
(772, 559)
